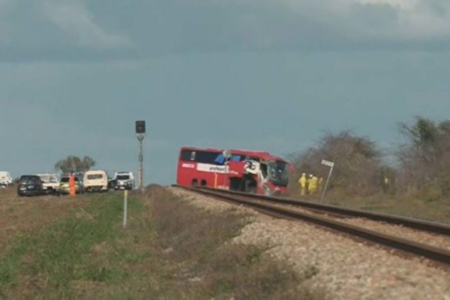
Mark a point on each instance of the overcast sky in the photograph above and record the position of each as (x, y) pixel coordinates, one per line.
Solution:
(261, 74)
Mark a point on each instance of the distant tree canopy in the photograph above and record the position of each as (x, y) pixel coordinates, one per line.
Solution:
(75, 164)
(425, 157)
(423, 161)
(357, 161)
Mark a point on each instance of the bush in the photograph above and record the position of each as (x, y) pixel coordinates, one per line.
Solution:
(357, 163)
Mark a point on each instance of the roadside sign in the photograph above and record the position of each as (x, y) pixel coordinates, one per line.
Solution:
(327, 163)
(331, 165)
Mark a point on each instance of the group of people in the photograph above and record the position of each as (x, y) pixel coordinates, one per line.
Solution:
(310, 185)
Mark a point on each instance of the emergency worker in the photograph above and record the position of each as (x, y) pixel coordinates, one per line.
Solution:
(72, 184)
(312, 185)
(302, 181)
(320, 184)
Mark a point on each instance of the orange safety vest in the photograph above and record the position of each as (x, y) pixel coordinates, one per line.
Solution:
(72, 185)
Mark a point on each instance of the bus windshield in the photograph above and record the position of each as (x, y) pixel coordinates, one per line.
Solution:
(278, 172)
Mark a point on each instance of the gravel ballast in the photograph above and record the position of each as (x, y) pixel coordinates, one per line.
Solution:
(337, 266)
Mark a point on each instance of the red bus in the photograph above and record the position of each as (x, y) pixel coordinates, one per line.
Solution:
(239, 170)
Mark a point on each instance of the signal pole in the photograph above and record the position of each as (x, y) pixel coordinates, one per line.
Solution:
(140, 134)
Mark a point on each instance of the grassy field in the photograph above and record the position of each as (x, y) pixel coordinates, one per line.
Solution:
(63, 248)
(420, 207)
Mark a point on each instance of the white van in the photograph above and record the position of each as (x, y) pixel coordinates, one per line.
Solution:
(95, 181)
(5, 178)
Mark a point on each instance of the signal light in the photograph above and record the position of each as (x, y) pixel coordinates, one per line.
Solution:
(140, 127)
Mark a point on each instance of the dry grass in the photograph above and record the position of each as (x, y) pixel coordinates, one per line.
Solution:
(169, 250)
(423, 206)
(206, 264)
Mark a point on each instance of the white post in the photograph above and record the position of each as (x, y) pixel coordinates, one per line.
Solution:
(331, 165)
(125, 208)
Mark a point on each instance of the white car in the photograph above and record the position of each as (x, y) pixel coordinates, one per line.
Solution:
(50, 183)
(123, 180)
(5, 179)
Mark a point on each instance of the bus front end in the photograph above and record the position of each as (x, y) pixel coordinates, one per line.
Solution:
(275, 178)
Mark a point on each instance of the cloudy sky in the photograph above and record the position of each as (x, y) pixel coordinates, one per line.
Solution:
(259, 74)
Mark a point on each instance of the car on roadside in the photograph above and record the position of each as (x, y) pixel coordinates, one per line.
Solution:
(5, 179)
(30, 185)
(3, 184)
(64, 185)
(51, 183)
(95, 181)
(111, 183)
(123, 180)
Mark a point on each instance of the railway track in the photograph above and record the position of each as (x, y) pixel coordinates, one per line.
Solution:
(340, 212)
(289, 210)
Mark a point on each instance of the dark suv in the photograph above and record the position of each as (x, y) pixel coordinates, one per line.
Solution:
(30, 185)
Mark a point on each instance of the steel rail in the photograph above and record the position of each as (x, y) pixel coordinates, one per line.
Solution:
(431, 227)
(432, 253)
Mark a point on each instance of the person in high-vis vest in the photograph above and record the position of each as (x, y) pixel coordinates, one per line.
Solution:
(302, 181)
(312, 184)
(320, 184)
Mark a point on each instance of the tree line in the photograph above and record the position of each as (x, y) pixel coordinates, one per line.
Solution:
(75, 164)
(421, 165)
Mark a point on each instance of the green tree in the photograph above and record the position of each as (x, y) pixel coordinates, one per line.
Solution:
(425, 157)
(357, 162)
(75, 164)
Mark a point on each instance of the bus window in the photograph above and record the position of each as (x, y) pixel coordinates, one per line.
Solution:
(220, 159)
(193, 155)
(186, 155)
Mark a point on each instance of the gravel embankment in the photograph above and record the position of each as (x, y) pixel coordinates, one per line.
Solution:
(340, 267)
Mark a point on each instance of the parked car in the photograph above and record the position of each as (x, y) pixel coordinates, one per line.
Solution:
(95, 181)
(30, 185)
(123, 180)
(64, 185)
(111, 183)
(3, 184)
(50, 183)
(5, 179)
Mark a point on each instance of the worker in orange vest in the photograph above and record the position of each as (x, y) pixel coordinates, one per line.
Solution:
(72, 185)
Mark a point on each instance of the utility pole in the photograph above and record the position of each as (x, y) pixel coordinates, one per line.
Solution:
(140, 134)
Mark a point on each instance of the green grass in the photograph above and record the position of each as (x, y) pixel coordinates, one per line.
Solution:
(170, 250)
(62, 253)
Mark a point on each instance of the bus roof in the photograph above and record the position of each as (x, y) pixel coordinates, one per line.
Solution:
(261, 154)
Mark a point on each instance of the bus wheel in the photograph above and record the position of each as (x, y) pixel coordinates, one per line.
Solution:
(203, 183)
(194, 183)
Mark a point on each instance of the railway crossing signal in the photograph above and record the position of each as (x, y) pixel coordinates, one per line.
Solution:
(140, 127)
(140, 134)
